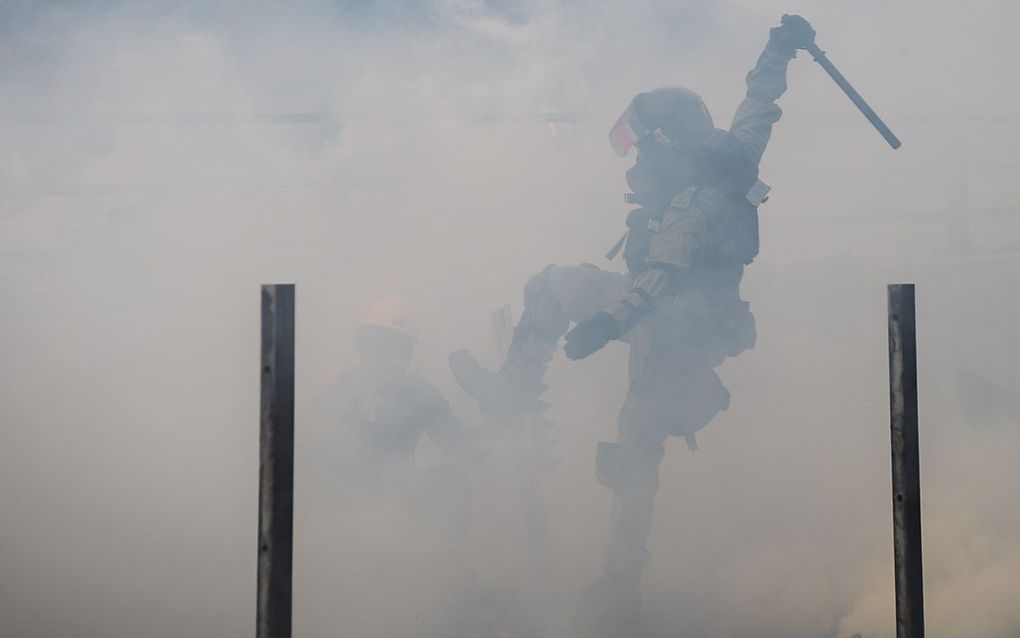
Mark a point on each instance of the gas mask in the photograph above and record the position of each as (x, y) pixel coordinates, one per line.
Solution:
(668, 127)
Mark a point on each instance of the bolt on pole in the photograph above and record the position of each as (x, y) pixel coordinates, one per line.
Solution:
(906, 464)
(276, 463)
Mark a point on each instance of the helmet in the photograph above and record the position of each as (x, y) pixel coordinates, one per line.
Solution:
(670, 116)
(393, 314)
(387, 330)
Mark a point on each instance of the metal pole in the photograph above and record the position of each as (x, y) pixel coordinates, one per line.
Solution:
(276, 463)
(906, 465)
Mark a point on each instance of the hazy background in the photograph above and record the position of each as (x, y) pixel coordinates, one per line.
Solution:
(160, 160)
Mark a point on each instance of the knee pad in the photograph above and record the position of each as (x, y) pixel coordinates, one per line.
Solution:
(542, 311)
(621, 468)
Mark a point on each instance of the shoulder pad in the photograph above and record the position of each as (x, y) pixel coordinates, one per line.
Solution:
(759, 193)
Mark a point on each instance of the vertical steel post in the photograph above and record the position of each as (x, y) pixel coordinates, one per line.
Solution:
(276, 463)
(906, 466)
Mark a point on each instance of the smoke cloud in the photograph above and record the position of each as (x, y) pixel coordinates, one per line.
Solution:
(160, 160)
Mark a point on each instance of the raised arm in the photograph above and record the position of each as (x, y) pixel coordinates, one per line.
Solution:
(681, 235)
(766, 82)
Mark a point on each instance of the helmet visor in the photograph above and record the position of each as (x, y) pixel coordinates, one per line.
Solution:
(627, 131)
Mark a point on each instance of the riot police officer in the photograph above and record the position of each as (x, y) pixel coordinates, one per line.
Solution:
(694, 230)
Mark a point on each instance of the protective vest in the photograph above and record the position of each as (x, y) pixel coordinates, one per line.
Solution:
(733, 237)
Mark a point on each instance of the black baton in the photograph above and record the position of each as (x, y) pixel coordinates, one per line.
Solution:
(854, 96)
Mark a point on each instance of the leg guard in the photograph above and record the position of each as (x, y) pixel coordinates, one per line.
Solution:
(620, 467)
(552, 299)
(633, 475)
(629, 467)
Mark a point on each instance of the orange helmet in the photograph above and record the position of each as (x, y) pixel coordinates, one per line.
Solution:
(392, 313)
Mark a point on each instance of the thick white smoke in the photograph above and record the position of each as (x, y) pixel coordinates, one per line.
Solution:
(159, 161)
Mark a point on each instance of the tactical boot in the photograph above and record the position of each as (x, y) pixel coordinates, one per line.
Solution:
(502, 396)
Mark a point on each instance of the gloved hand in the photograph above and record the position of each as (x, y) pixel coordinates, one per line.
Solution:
(590, 335)
(794, 33)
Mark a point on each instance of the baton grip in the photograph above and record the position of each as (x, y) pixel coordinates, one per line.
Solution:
(854, 96)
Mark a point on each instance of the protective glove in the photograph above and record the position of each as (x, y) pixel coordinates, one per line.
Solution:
(794, 33)
(590, 335)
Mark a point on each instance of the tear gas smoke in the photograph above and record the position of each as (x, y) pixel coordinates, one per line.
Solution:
(161, 160)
